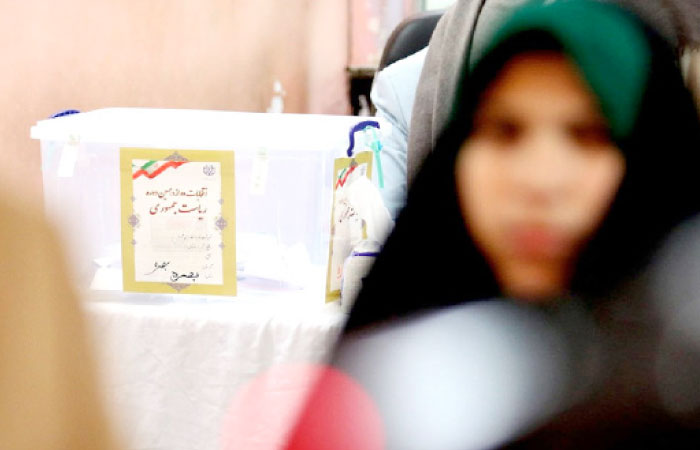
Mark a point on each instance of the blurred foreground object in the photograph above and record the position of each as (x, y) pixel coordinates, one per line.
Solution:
(469, 377)
(48, 392)
(504, 374)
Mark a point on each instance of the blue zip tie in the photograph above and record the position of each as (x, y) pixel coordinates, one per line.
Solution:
(376, 145)
(365, 253)
(359, 127)
(66, 112)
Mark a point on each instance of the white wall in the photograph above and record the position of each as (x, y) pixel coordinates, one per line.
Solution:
(213, 54)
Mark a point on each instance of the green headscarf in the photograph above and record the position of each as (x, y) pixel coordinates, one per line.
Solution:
(616, 39)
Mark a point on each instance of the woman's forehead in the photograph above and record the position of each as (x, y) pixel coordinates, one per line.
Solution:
(609, 46)
(533, 81)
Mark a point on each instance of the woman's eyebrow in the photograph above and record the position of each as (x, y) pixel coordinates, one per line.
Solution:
(494, 107)
(588, 118)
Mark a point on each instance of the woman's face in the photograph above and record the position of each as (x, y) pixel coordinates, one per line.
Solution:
(537, 174)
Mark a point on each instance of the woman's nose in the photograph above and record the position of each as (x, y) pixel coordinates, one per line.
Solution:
(542, 171)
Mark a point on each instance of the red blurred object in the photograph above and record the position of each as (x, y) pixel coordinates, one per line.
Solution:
(339, 415)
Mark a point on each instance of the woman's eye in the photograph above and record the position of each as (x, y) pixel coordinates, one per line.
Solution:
(592, 135)
(500, 130)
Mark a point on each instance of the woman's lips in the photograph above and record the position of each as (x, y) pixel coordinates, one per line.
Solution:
(538, 241)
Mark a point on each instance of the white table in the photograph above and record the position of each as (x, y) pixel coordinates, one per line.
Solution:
(171, 370)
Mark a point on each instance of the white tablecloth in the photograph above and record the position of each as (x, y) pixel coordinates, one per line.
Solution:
(170, 371)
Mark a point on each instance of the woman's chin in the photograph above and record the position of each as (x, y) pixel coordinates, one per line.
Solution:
(533, 284)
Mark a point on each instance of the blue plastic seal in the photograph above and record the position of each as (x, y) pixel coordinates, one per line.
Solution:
(66, 112)
(359, 127)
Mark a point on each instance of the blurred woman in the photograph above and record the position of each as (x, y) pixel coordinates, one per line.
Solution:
(569, 157)
(569, 160)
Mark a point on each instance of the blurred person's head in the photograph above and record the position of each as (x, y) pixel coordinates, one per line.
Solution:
(568, 158)
(537, 173)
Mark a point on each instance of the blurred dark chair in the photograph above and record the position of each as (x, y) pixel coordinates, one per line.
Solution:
(411, 35)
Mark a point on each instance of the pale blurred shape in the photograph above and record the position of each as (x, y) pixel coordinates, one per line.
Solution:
(676, 288)
(49, 396)
(474, 376)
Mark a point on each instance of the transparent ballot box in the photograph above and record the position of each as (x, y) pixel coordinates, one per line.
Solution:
(147, 200)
